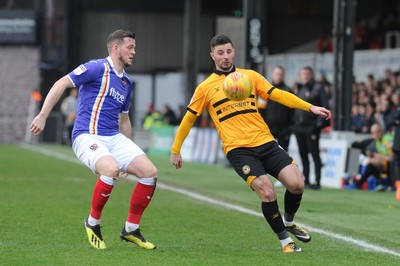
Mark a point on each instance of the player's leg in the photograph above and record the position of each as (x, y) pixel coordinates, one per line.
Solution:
(141, 196)
(135, 162)
(91, 150)
(108, 169)
(247, 165)
(263, 186)
(314, 150)
(302, 140)
(291, 178)
(279, 164)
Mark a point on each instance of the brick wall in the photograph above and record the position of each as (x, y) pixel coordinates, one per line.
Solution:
(19, 76)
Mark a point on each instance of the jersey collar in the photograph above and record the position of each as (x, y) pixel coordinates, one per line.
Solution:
(219, 72)
(112, 65)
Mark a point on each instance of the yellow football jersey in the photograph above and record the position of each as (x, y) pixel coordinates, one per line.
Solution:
(239, 123)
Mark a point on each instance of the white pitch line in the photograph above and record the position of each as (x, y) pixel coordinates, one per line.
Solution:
(351, 240)
(358, 242)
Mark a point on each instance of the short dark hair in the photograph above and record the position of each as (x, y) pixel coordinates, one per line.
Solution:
(118, 36)
(280, 67)
(219, 40)
(308, 68)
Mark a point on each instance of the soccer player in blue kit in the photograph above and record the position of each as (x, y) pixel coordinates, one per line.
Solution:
(102, 132)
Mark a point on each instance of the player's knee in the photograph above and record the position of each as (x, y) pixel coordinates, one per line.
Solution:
(297, 186)
(268, 195)
(153, 172)
(147, 172)
(111, 171)
(264, 189)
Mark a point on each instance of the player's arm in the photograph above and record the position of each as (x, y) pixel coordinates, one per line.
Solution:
(290, 100)
(183, 130)
(52, 98)
(125, 126)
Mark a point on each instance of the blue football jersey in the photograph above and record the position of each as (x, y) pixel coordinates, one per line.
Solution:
(103, 94)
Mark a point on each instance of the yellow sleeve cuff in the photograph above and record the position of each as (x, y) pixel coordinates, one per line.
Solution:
(289, 99)
(183, 130)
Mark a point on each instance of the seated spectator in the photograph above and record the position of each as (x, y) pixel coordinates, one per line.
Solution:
(379, 155)
(324, 42)
(357, 119)
(369, 119)
(372, 83)
(361, 34)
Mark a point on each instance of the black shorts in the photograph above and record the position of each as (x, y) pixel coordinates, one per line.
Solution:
(252, 162)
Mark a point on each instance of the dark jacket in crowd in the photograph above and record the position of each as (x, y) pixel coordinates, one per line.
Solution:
(306, 122)
(278, 117)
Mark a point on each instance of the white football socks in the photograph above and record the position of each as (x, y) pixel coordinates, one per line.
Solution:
(92, 221)
(287, 223)
(129, 227)
(285, 241)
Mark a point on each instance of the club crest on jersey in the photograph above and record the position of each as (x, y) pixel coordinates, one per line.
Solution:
(94, 147)
(79, 70)
(123, 82)
(246, 169)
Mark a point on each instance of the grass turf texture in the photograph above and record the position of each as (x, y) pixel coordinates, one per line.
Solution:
(44, 201)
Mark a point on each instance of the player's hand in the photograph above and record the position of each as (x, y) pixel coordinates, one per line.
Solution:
(321, 111)
(176, 160)
(37, 125)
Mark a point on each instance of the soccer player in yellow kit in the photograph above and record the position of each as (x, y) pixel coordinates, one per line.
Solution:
(248, 144)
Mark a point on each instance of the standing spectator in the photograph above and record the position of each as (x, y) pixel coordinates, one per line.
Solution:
(323, 80)
(101, 135)
(169, 116)
(68, 109)
(307, 128)
(149, 112)
(154, 119)
(277, 116)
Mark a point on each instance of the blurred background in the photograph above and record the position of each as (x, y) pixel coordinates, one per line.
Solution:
(353, 47)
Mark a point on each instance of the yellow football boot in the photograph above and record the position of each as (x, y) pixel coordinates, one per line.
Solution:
(137, 238)
(94, 235)
(291, 247)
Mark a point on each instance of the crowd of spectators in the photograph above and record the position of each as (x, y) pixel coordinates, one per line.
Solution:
(371, 32)
(375, 101)
(375, 32)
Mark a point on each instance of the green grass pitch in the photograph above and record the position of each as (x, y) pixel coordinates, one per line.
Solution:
(44, 200)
